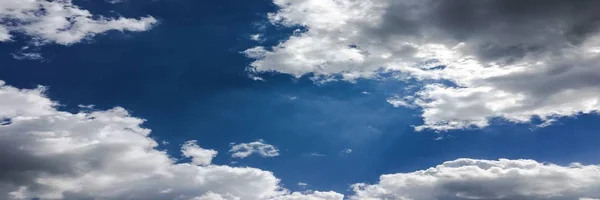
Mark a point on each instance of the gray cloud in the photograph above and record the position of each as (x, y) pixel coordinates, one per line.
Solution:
(509, 59)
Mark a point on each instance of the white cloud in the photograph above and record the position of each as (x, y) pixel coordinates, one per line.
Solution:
(27, 56)
(115, 1)
(259, 147)
(256, 37)
(347, 151)
(199, 156)
(215, 196)
(4, 34)
(90, 106)
(60, 22)
(487, 179)
(312, 196)
(302, 184)
(315, 154)
(106, 154)
(513, 60)
(401, 102)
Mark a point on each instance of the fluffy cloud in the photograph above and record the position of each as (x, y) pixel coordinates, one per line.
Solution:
(485, 179)
(259, 147)
(106, 154)
(475, 59)
(60, 21)
(199, 155)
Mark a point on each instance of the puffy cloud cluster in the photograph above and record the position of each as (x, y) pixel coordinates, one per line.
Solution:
(46, 153)
(60, 21)
(475, 59)
(49, 154)
(464, 179)
(259, 147)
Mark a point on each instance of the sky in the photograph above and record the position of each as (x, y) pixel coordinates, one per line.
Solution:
(299, 100)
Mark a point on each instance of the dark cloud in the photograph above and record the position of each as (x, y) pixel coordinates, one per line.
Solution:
(510, 59)
(499, 29)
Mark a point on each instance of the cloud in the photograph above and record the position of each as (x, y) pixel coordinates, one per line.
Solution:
(346, 151)
(46, 153)
(60, 22)
(259, 147)
(315, 154)
(487, 179)
(4, 34)
(106, 154)
(257, 37)
(292, 97)
(401, 102)
(215, 196)
(302, 184)
(27, 56)
(199, 155)
(115, 1)
(473, 60)
(312, 196)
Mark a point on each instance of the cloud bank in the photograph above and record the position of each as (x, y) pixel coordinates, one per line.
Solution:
(60, 21)
(474, 60)
(503, 179)
(106, 154)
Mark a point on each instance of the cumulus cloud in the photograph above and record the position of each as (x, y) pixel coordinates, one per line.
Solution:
(259, 147)
(46, 153)
(502, 179)
(60, 21)
(474, 59)
(199, 156)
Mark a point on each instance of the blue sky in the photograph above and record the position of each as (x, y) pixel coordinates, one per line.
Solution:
(189, 78)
